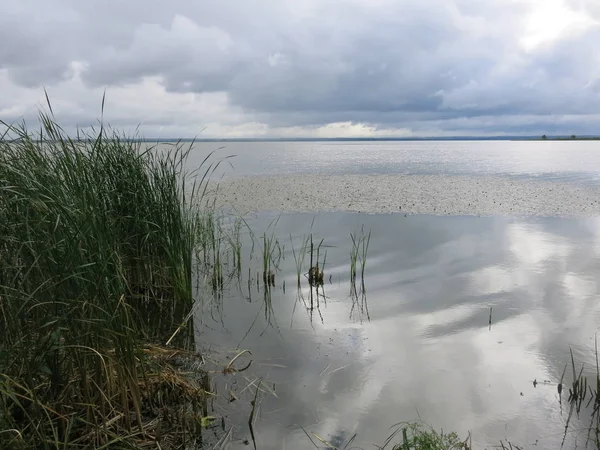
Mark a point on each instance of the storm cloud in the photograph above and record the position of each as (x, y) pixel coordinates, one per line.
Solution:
(306, 67)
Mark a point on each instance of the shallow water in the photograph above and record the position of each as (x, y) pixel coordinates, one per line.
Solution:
(436, 194)
(418, 343)
(488, 178)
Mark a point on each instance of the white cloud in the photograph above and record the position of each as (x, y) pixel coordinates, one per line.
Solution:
(552, 19)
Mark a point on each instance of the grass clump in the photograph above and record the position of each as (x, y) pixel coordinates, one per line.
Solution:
(316, 272)
(97, 236)
(406, 436)
(418, 436)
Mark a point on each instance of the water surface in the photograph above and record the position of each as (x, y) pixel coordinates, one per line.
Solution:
(418, 343)
(570, 161)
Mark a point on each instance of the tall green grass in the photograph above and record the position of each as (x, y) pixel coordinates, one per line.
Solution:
(97, 236)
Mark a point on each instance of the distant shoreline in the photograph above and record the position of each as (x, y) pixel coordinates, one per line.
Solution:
(382, 139)
(391, 139)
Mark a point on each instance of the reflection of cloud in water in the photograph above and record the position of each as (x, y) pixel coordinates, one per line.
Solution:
(531, 246)
(427, 348)
(462, 383)
(496, 279)
(580, 288)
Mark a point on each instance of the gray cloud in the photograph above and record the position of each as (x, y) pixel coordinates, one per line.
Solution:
(435, 66)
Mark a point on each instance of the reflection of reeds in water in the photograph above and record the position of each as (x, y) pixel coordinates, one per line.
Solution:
(301, 254)
(267, 309)
(234, 247)
(353, 259)
(316, 297)
(359, 301)
(579, 391)
(268, 303)
(299, 257)
(358, 253)
(272, 255)
(219, 250)
(315, 274)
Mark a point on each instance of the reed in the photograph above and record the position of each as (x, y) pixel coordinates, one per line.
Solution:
(97, 242)
(364, 248)
(316, 273)
(358, 253)
(353, 259)
(299, 257)
(270, 262)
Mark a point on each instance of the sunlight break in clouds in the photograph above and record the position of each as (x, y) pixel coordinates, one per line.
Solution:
(550, 20)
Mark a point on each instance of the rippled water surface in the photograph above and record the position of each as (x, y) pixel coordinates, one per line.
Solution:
(561, 160)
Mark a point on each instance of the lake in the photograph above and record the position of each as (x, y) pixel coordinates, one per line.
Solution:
(577, 161)
(458, 314)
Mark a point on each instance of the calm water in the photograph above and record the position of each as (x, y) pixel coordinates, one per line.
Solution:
(418, 342)
(577, 161)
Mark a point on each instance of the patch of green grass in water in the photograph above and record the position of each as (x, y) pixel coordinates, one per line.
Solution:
(418, 436)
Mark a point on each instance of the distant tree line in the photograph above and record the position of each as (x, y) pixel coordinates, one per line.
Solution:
(572, 137)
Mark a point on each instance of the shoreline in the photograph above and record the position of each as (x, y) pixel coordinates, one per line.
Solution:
(444, 195)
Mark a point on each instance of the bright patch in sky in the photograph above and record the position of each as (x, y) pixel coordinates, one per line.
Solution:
(550, 20)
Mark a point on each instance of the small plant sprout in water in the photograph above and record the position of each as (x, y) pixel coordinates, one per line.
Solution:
(301, 254)
(315, 273)
(358, 253)
(235, 245)
(581, 395)
(272, 255)
(220, 249)
(299, 257)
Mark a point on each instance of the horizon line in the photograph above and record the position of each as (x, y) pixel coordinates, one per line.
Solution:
(358, 139)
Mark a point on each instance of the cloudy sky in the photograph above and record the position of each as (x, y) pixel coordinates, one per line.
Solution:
(306, 68)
